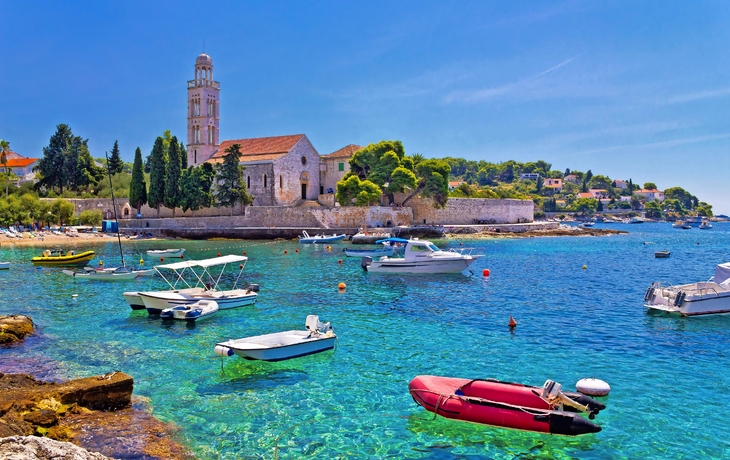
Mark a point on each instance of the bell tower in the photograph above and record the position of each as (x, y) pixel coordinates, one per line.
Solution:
(203, 112)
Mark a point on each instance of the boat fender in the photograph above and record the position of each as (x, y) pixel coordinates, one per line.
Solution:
(649, 293)
(223, 351)
(679, 299)
(593, 387)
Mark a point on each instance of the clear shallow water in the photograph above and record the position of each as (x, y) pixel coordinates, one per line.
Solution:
(669, 375)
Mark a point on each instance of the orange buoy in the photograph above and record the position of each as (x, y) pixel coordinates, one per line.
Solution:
(219, 254)
(485, 272)
(244, 253)
(339, 261)
(296, 250)
(182, 256)
(512, 323)
(341, 286)
(240, 266)
(162, 259)
(285, 251)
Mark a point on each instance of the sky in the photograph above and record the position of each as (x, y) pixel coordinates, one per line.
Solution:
(627, 89)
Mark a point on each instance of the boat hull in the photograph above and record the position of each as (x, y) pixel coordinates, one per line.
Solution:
(396, 265)
(696, 299)
(4, 265)
(495, 403)
(157, 301)
(104, 275)
(173, 253)
(74, 259)
(280, 346)
(322, 240)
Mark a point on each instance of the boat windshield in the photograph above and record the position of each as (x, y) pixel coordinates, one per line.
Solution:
(433, 247)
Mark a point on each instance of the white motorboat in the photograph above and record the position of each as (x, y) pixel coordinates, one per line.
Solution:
(108, 274)
(305, 238)
(191, 313)
(317, 337)
(173, 253)
(4, 265)
(705, 225)
(135, 300)
(586, 224)
(421, 256)
(702, 298)
(636, 220)
(198, 273)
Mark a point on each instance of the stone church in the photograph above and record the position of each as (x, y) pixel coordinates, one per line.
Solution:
(280, 170)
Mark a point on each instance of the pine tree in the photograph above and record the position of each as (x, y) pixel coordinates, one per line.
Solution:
(158, 161)
(50, 167)
(138, 187)
(172, 177)
(116, 165)
(231, 189)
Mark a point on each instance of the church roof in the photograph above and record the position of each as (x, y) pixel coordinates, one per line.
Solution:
(345, 152)
(20, 162)
(259, 148)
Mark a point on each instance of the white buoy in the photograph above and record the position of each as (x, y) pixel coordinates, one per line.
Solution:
(222, 351)
(74, 295)
(593, 387)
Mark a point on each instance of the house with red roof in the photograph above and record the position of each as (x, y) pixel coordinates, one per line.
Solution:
(20, 166)
(334, 166)
(651, 194)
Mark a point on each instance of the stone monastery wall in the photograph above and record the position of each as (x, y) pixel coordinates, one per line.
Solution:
(458, 211)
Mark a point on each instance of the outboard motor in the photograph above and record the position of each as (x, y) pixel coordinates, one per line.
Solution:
(253, 287)
(365, 262)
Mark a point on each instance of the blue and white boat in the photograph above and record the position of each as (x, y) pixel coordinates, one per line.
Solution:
(379, 252)
(319, 239)
(192, 312)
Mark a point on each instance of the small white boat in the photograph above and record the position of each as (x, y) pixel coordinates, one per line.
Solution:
(305, 238)
(135, 300)
(174, 253)
(705, 225)
(421, 256)
(636, 220)
(703, 298)
(4, 265)
(317, 337)
(586, 224)
(108, 274)
(191, 313)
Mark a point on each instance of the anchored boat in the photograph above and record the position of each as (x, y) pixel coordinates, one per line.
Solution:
(305, 238)
(59, 257)
(174, 253)
(317, 337)
(191, 313)
(702, 298)
(420, 256)
(505, 404)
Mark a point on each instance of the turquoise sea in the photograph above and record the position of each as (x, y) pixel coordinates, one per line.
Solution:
(670, 376)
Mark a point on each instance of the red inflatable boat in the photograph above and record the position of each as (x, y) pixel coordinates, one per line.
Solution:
(505, 404)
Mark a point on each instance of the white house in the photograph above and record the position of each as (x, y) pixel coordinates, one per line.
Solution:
(529, 176)
(651, 194)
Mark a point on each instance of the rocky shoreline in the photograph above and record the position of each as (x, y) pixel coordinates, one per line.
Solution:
(470, 233)
(95, 413)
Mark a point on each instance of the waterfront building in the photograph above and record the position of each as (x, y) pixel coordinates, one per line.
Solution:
(280, 170)
(334, 166)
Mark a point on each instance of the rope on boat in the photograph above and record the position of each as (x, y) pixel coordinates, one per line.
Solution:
(478, 400)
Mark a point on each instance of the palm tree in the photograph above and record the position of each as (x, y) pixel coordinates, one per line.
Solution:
(5, 149)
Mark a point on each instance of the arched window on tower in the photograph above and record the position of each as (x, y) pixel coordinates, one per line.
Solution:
(195, 156)
(264, 180)
(248, 182)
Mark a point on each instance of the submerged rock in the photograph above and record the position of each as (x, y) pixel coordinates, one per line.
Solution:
(14, 328)
(35, 448)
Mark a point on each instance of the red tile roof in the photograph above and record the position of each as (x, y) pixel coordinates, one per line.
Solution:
(20, 162)
(345, 152)
(585, 195)
(260, 148)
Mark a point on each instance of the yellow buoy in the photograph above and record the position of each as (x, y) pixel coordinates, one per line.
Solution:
(141, 261)
(101, 262)
(584, 267)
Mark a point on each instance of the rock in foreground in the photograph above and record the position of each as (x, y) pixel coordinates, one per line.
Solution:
(35, 448)
(14, 328)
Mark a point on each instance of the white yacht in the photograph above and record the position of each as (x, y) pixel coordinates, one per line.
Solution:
(421, 256)
(702, 298)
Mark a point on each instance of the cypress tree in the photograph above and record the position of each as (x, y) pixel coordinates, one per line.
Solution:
(158, 161)
(183, 156)
(172, 177)
(116, 165)
(231, 189)
(138, 187)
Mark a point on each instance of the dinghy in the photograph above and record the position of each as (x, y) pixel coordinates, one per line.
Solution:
(506, 404)
(174, 253)
(59, 257)
(191, 313)
(279, 346)
(305, 238)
